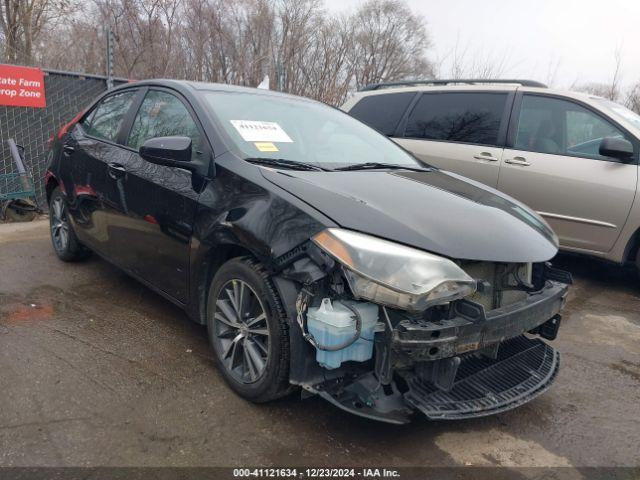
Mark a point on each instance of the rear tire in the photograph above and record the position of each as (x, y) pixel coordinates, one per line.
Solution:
(248, 331)
(63, 238)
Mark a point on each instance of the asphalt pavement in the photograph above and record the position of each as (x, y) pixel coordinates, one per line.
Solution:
(96, 369)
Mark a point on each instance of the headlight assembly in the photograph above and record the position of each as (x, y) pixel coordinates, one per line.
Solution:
(392, 274)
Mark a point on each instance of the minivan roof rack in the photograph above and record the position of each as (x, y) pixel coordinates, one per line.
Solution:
(470, 81)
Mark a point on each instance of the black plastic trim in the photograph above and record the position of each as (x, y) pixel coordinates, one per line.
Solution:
(524, 368)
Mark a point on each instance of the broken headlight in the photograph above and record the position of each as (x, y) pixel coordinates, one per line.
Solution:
(392, 274)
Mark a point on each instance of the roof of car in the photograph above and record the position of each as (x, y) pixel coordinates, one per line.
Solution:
(204, 86)
(455, 81)
(381, 89)
(486, 86)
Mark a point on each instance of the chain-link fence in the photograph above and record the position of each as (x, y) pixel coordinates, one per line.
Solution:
(66, 94)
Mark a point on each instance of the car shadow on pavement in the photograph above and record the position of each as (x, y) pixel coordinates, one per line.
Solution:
(596, 270)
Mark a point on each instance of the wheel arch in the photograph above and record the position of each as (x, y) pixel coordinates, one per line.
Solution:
(50, 184)
(632, 247)
(207, 267)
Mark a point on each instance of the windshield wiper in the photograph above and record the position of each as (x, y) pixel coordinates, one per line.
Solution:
(375, 165)
(284, 163)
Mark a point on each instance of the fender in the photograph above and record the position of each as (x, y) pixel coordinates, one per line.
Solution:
(240, 217)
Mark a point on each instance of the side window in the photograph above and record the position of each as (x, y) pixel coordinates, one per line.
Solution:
(162, 115)
(105, 120)
(457, 117)
(553, 125)
(382, 112)
(86, 121)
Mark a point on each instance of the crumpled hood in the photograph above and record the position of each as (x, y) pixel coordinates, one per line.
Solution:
(436, 211)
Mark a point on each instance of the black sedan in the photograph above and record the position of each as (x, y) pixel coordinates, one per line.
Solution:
(318, 253)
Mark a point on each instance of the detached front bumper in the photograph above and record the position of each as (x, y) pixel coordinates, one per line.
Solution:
(507, 368)
(472, 329)
(470, 365)
(523, 369)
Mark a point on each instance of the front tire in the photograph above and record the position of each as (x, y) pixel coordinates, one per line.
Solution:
(63, 238)
(248, 331)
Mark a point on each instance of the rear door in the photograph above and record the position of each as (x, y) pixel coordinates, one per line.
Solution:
(555, 167)
(157, 207)
(463, 132)
(84, 169)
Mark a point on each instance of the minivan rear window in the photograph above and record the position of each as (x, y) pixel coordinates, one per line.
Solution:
(466, 117)
(382, 112)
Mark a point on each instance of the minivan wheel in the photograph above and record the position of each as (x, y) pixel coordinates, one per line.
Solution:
(248, 331)
(64, 240)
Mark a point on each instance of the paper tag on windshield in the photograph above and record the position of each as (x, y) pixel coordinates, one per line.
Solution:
(266, 146)
(255, 131)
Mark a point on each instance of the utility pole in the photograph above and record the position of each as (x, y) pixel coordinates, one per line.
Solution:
(109, 35)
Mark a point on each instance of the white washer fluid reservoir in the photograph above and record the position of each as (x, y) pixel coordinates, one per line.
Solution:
(333, 324)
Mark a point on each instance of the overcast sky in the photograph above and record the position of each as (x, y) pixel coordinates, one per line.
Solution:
(561, 41)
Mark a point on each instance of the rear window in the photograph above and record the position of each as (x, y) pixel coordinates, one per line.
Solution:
(457, 117)
(382, 112)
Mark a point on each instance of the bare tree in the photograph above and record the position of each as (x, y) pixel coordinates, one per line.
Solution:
(23, 21)
(614, 87)
(326, 74)
(298, 43)
(633, 98)
(610, 90)
(87, 55)
(552, 71)
(461, 61)
(390, 42)
(296, 25)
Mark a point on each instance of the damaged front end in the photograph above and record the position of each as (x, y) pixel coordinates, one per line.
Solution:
(383, 330)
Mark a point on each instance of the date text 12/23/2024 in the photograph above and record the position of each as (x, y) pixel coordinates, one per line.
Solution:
(315, 473)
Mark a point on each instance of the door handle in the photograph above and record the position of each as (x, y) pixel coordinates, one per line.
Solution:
(116, 170)
(518, 161)
(68, 149)
(485, 156)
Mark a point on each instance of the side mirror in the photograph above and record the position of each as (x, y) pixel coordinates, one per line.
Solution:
(169, 151)
(618, 148)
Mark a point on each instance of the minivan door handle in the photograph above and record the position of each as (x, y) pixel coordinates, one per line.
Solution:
(486, 156)
(518, 161)
(116, 170)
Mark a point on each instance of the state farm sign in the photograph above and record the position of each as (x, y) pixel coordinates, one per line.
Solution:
(21, 87)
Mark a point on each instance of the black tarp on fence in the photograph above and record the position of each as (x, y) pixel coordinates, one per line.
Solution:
(66, 93)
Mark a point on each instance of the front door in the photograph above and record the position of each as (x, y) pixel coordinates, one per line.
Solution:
(157, 207)
(555, 168)
(460, 131)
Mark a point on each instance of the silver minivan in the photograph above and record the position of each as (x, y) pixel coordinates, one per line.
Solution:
(572, 157)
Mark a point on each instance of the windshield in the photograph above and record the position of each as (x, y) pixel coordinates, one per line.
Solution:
(300, 130)
(621, 111)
